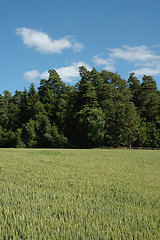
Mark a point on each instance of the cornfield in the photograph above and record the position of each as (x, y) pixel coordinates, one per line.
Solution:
(79, 194)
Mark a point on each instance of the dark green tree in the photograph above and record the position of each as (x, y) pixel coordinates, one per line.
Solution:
(53, 93)
(135, 87)
(102, 109)
(129, 124)
(23, 106)
(29, 136)
(149, 99)
(89, 116)
(91, 127)
(114, 94)
(48, 135)
(33, 98)
(3, 112)
(12, 111)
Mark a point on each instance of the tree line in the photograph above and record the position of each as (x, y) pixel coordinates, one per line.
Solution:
(101, 110)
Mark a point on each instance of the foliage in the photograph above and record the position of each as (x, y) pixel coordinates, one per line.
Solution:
(91, 127)
(3, 112)
(102, 109)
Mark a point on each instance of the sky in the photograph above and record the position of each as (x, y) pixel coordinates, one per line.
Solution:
(40, 35)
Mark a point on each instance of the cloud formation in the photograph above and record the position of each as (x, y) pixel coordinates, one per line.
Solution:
(67, 74)
(138, 53)
(108, 63)
(147, 71)
(32, 76)
(143, 59)
(43, 43)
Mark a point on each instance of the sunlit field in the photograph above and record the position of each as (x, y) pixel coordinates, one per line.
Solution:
(79, 194)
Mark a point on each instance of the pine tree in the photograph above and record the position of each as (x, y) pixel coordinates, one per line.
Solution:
(33, 98)
(135, 87)
(149, 99)
(3, 112)
(23, 105)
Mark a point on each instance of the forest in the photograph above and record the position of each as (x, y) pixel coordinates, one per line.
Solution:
(101, 110)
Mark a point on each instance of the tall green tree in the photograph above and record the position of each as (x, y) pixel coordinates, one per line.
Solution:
(89, 117)
(3, 112)
(87, 96)
(129, 125)
(91, 127)
(53, 94)
(102, 109)
(33, 98)
(48, 135)
(23, 106)
(135, 87)
(114, 95)
(149, 99)
(46, 97)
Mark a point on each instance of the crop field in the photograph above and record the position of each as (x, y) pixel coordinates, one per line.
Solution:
(79, 194)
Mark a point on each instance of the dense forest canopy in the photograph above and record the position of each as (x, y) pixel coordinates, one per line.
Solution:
(101, 110)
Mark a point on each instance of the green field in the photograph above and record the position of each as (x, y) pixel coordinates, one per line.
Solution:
(79, 194)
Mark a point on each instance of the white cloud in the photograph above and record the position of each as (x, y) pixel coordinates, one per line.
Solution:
(44, 75)
(108, 63)
(77, 47)
(147, 71)
(32, 76)
(42, 43)
(67, 74)
(143, 59)
(133, 54)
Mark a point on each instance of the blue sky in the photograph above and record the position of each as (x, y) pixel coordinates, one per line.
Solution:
(39, 35)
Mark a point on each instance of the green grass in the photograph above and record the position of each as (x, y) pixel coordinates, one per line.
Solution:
(79, 194)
